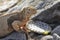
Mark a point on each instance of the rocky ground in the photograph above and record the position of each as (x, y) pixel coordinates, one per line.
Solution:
(48, 11)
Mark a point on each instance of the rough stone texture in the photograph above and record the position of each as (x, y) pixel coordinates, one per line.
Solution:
(6, 4)
(15, 36)
(49, 13)
(56, 36)
(56, 30)
(4, 25)
(51, 37)
(46, 11)
(50, 16)
(48, 37)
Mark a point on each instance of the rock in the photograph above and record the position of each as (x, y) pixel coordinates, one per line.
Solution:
(53, 26)
(48, 14)
(48, 37)
(40, 4)
(38, 27)
(56, 36)
(5, 24)
(35, 36)
(20, 5)
(51, 37)
(15, 36)
(38, 37)
(6, 18)
(6, 4)
(56, 30)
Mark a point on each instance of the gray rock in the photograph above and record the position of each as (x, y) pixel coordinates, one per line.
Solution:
(56, 30)
(5, 29)
(56, 36)
(51, 37)
(40, 4)
(4, 5)
(15, 36)
(48, 37)
(35, 36)
(5, 23)
(46, 8)
(47, 14)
